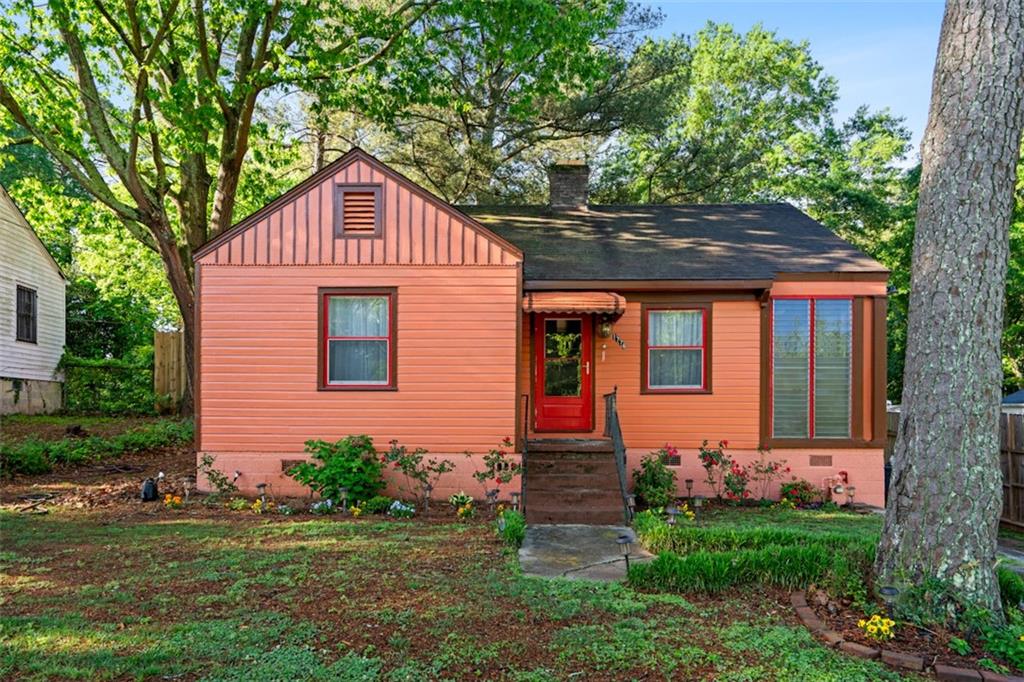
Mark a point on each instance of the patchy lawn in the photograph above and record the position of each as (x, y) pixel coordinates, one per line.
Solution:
(18, 427)
(144, 592)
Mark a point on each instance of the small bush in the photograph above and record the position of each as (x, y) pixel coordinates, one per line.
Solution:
(514, 531)
(351, 463)
(1011, 588)
(33, 456)
(109, 386)
(800, 492)
(378, 504)
(654, 483)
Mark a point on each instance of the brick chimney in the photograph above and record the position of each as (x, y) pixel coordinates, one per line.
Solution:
(567, 184)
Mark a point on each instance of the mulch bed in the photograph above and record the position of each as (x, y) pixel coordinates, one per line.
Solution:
(912, 648)
(14, 430)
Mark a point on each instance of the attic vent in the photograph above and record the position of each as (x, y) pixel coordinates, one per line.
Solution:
(357, 210)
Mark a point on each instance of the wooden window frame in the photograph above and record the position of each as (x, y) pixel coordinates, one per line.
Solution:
(856, 380)
(34, 319)
(706, 348)
(340, 190)
(324, 295)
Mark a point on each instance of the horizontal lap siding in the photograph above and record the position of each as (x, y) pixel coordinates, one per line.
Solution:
(650, 421)
(456, 359)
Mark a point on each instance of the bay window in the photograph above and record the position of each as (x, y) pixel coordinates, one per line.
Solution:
(811, 372)
(357, 349)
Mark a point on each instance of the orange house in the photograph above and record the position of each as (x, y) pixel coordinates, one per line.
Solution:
(358, 303)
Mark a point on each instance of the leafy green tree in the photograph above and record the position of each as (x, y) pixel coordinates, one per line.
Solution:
(740, 98)
(101, 326)
(153, 107)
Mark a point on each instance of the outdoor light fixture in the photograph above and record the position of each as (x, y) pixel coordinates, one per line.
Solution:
(604, 330)
(672, 512)
(492, 498)
(625, 541)
(631, 505)
(343, 494)
(188, 484)
(689, 488)
(515, 500)
(427, 489)
(850, 491)
(261, 490)
(888, 593)
(698, 503)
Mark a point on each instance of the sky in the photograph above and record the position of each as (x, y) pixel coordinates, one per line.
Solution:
(881, 53)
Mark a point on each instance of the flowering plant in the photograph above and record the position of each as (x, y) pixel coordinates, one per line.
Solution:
(285, 510)
(173, 501)
(401, 510)
(421, 474)
(460, 499)
(465, 511)
(259, 506)
(498, 468)
(734, 482)
(356, 510)
(878, 628)
(716, 465)
(767, 471)
(324, 506)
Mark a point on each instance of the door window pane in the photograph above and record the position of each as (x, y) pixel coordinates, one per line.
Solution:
(790, 368)
(833, 321)
(563, 341)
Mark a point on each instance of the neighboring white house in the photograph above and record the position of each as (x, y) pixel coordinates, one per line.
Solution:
(31, 317)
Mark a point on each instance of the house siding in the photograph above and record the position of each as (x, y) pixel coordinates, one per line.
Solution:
(732, 410)
(25, 262)
(457, 292)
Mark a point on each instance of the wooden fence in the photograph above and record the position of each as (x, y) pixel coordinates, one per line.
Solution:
(1011, 461)
(168, 370)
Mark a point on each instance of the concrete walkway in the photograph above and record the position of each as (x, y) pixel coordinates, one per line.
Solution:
(578, 552)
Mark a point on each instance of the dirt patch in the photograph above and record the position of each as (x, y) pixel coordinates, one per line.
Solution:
(19, 427)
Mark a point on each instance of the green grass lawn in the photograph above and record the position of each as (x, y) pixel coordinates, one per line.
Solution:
(219, 596)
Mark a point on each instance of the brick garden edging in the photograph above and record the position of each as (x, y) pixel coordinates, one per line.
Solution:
(896, 659)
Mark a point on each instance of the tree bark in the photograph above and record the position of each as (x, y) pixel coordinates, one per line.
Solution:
(945, 498)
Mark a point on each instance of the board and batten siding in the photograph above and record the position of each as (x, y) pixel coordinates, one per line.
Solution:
(457, 288)
(24, 261)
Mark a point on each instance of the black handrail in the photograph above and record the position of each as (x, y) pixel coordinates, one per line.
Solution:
(613, 430)
(522, 464)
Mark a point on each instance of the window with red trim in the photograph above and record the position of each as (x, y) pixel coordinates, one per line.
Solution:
(358, 340)
(675, 349)
(811, 374)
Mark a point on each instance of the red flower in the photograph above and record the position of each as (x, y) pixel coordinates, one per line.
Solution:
(725, 443)
(497, 481)
(397, 465)
(787, 470)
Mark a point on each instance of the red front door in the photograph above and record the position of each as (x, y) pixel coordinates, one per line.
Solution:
(563, 394)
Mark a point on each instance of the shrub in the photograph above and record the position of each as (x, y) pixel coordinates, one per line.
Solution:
(800, 492)
(221, 484)
(109, 386)
(421, 474)
(735, 483)
(654, 483)
(498, 469)
(401, 510)
(378, 504)
(514, 531)
(33, 456)
(1011, 588)
(460, 499)
(716, 465)
(767, 471)
(351, 463)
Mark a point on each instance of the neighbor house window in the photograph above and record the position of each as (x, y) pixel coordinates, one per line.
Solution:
(26, 315)
(676, 349)
(358, 210)
(358, 342)
(811, 367)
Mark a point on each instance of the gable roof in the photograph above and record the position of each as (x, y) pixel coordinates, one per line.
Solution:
(324, 174)
(681, 242)
(6, 198)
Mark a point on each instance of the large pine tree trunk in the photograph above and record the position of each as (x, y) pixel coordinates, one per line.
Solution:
(946, 492)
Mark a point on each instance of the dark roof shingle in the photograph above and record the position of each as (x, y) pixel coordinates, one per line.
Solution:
(684, 242)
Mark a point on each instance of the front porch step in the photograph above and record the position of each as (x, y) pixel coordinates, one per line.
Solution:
(572, 480)
(570, 445)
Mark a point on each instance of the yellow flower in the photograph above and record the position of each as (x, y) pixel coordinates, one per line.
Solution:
(861, 623)
(872, 629)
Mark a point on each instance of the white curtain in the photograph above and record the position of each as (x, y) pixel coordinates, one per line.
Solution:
(357, 361)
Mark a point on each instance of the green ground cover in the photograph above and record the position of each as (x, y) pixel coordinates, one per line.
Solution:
(210, 595)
